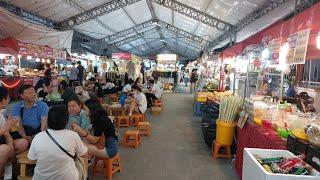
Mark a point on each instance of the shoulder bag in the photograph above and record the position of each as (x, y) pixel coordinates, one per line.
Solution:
(80, 164)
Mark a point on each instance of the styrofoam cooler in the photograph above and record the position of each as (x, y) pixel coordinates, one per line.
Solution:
(252, 170)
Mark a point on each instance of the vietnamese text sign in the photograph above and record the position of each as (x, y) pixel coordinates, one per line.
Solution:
(275, 50)
(292, 46)
(301, 47)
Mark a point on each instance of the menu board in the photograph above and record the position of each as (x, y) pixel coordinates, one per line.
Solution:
(301, 47)
(275, 50)
(292, 46)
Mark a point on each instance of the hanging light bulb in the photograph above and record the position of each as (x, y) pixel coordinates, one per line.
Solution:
(283, 55)
(43, 60)
(37, 59)
(48, 61)
(29, 57)
(265, 54)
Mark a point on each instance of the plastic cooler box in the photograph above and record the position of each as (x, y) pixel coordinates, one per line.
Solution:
(252, 170)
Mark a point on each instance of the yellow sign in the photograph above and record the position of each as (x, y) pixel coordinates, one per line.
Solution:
(301, 47)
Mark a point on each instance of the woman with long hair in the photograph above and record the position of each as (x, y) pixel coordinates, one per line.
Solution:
(101, 125)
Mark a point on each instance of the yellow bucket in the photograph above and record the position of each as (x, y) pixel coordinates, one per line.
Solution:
(225, 132)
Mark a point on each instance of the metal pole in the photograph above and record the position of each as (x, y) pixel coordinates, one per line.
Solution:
(281, 86)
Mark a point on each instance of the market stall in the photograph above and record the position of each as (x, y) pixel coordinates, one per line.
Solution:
(23, 63)
(279, 61)
(166, 71)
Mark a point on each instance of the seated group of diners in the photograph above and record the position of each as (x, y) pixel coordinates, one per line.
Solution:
(76, 125)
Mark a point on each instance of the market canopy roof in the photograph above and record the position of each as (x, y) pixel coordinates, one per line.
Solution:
(144, 27)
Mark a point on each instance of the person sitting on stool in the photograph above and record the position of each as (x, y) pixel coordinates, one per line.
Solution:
(153, 93)
(139, 101)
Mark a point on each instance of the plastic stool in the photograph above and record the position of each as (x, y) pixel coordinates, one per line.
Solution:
(111, 165)
(24, 161)
(215, 150)
(123, 121)
(156, 110)
(132, 138)
(144, 128)
(136, 118)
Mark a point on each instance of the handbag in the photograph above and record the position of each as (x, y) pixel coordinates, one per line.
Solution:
(79, 162)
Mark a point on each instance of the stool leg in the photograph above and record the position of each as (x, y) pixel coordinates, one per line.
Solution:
(229, 152)
(118, 162)
(109, 169)
(23, 168)
(94, 169)
(216, 151)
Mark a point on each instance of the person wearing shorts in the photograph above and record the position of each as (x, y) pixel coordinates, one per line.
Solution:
(103, 128)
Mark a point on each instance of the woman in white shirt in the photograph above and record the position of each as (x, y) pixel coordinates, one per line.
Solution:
(127, 87)
(139, 101)
(51, 161)
(154, 92)
(109, 87)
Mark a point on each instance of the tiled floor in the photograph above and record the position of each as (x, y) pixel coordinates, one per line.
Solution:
(176, 150)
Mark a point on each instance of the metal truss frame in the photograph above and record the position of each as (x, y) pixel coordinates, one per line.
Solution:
(302, 5)
(94, 13)
(256, 14)
(186, 40)
(126, 32)
(28, 15)
(159, 23)
(195, 14)
(135, 37)
(266, 8)
(181, 32)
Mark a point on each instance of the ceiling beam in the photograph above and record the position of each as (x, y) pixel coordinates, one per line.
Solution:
(186, 40)
(302, 5)
(148, 43)
(124, 33)
(28, 15)
(181, 32)
(255, 15)
(135, 37)
(94, 13)
(195, 14)
(162, 25)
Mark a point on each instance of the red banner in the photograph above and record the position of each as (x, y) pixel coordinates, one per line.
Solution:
(124, 56)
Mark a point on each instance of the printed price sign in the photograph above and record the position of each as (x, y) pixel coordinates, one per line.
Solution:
(301, 47)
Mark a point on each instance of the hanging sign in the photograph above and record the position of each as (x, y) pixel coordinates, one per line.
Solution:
(292, 46)
(124, 56)
(301, 47)
(275, 50)
(22, 48)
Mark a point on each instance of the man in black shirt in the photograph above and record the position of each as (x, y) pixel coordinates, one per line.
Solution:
(81, 72)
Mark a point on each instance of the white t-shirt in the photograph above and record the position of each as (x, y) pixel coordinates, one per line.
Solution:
(157, 90)
(2, 120)
(142, 101)
(126, 88)
(52, 162)
(109, 85)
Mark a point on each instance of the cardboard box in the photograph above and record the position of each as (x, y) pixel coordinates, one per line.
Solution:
(252, 170)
